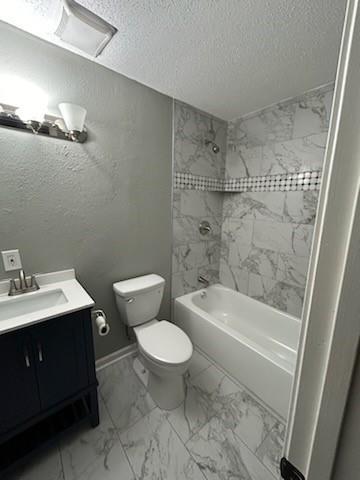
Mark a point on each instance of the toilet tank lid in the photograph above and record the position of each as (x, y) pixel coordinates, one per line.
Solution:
(133, 286)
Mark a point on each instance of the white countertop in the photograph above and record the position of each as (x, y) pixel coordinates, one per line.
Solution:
(76, 299)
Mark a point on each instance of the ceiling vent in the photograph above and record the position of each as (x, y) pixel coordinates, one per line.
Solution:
(83, 29)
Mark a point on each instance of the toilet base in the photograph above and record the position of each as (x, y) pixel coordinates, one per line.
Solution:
(141, 371)
(168, 392)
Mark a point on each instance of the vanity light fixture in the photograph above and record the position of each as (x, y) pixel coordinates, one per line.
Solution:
(74, 118)
(32, 119)
(23, 105)
(32, 115)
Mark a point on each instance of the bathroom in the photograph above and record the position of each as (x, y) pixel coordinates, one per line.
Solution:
(178, 239)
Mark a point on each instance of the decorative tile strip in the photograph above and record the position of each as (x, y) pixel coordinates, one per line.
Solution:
(288, 182)
(187, 181)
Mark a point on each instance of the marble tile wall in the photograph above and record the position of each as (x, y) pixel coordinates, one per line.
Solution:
(194, 254)
(266, 236)
(259, 195)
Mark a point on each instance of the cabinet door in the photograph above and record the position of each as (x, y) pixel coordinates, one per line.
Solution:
(60, 355)
(19, 398)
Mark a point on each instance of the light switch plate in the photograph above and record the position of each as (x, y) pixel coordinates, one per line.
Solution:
(11, 260)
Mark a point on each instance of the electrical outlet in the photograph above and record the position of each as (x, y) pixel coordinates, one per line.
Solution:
(11, 260)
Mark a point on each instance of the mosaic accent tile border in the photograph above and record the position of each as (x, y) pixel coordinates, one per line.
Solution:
(310, 180)
(188, 181)
(288, 182)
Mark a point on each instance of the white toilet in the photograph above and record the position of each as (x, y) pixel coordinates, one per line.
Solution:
(164, 348)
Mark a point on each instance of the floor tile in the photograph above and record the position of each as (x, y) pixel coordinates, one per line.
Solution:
(93, 453)
(229, 433)
(209, 380)
(198, 364)
(242, 413)
(222, 456)
(44, 466)
(197, 409)
(156, 452)
(125, 397)
(213, 394)
(270, 451)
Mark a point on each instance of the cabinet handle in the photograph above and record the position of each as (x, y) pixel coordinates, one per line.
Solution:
(27, 358)
(41, 358)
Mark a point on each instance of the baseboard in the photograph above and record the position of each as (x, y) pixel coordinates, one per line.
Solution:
(113, 357)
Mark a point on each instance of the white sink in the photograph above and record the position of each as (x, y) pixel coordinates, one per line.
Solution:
(60, 293)
(31, 302)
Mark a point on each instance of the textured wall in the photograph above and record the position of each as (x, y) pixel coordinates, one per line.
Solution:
(266, 235)
(103, 207)
(227, 57)
(194, 254)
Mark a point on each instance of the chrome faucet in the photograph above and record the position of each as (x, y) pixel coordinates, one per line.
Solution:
(22, 280)
(203, 280)
(23, 285)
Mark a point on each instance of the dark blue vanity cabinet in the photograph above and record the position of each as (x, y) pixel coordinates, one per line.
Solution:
(48, 381)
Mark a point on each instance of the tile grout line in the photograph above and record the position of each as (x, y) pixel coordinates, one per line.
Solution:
(132, 424)
(287, 282)
(118, 435)
(241, 388)
(183, 443)
(254, 454)
(201, 371)
(135, 422)
(266, 437)
(249, 392)
(235, 435)
(61, 460)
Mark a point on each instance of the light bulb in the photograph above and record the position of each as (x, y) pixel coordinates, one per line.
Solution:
(31, 112)
(29, 98)
(73, 115)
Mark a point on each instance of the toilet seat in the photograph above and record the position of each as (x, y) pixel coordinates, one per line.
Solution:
(164, 343)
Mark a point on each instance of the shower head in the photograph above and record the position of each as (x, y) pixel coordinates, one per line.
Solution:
(214, 146)
(212, 134)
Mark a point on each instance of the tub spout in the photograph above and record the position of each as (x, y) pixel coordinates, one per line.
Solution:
(203, 280)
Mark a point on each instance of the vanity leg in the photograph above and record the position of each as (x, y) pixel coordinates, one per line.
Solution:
(94, 409)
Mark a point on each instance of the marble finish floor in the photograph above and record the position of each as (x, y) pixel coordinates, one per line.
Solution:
(220, 432)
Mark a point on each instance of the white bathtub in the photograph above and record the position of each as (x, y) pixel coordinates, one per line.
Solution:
(255, 343)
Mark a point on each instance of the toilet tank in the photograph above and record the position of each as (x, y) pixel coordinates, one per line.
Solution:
(139, 299)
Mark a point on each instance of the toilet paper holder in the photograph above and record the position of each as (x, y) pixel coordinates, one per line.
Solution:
(99, 317)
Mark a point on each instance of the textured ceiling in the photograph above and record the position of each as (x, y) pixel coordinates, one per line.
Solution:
(227, 57)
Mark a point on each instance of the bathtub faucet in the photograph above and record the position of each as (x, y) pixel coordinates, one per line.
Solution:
(203, 280)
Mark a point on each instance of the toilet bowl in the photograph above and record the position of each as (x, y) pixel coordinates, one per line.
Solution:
(165, 350)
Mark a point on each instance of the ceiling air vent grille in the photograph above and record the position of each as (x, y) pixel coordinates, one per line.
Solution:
(83, 29)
